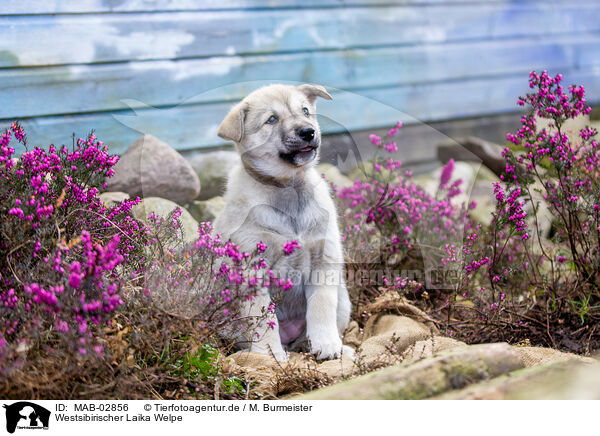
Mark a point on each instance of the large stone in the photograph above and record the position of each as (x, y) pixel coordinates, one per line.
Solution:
(334, 175)
(560, 380)
(430, 182)
(150, 168)
(212, 170)
(571, 126)
(206, 210)
(454, 369)
(482, 193)
(163, 208)
(473, 149)
(110, 199)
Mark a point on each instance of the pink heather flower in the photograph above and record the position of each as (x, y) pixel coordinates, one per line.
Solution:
(375, 140)
(391, 147)
(290, 246)
(17, 211)
(75, 277)
(260, 247)
(271, 324)
(446, 173)
(561, 259)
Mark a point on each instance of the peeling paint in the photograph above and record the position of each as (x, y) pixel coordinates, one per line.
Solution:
(36, 47)
(211, 66)
(8, 58)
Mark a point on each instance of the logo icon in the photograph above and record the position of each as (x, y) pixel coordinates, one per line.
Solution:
(26, 415)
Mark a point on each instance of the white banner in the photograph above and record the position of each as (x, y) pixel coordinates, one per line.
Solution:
(90, 418)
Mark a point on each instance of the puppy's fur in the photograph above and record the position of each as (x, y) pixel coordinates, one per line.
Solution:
(275, 196)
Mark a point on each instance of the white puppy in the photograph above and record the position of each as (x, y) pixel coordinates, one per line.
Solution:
(276, 196)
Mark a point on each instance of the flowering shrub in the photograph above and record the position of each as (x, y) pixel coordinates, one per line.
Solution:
(512, 271)
(207, 279)
(83, 284)
(545, 170)
(70, 265)
(393, 225)
(61, 248)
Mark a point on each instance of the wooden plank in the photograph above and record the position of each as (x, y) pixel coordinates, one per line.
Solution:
(74, 39)
(30, 7)
(194, 126)
(73, 89)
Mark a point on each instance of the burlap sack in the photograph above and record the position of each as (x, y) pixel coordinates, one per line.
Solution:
(354, 335)
(429, 347)
(532, 356)
(388, 336)
(338, 368)
(393, 303)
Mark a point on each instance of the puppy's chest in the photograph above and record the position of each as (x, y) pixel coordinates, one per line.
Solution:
(299, 213)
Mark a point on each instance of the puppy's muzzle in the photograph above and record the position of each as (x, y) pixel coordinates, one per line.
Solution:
(307, 134)
(302, 148)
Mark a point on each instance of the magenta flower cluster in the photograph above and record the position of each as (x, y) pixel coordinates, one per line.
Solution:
(209, 277)
(387, 218)
(290, 246)
(387, 202)
(555, 169)
(63, 246)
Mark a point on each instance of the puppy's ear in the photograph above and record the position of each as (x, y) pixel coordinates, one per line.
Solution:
(314, 91)
(232, 127)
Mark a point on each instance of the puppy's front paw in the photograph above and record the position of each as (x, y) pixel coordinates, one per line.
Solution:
(281, 356)
(326, 348)
(348, 352)
(278, 352)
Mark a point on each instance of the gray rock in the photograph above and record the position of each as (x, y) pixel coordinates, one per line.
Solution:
(473, 149)
(334, 175)
(571, 127)
(163, 208)
(430, 182)
(109, 199)
(212, 169)
(150, 168)
(562, 380)
(454, 369)
(206, 210)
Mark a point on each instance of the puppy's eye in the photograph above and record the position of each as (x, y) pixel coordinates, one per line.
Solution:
(305, 111)
(272, 119)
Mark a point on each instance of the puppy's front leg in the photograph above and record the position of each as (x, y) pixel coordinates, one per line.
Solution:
(321, 321)
(264, 338)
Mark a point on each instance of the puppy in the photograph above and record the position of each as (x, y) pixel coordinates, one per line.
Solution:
(275, 196)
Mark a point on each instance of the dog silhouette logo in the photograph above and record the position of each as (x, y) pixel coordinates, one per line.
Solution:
(26, 415)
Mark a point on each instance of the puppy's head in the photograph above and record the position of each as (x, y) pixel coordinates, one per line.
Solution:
(275, 128)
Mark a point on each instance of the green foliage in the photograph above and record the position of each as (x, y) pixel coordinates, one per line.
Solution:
(203, 365)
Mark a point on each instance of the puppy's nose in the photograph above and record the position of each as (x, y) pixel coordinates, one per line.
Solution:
(306, 133)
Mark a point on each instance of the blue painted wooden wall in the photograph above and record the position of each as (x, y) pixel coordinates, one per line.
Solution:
(173, 67)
